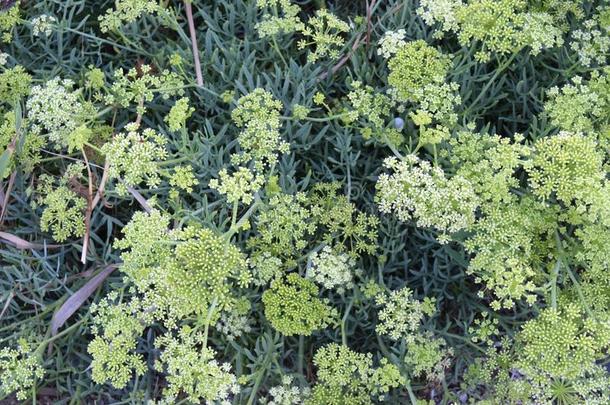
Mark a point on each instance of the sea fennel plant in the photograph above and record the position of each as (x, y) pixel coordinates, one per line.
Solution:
(312, 202)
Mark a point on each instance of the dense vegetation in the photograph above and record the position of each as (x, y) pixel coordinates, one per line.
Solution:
(305, 202)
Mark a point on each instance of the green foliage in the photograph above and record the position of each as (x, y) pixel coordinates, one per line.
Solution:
(346, 376)
(193, 371)
(401, 314)
(125, 12)
(19, 370)
(134, 157)
(14, 84)
(27, 146)
(116, 327)
(416, 65)
(417, 190)
(293, 307)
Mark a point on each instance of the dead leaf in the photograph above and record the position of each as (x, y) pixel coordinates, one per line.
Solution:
(22, 243)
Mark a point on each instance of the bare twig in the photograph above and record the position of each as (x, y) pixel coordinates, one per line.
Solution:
(366, 35)
(369, 24)
(6, 195)
(343, 60)
(140, 108)
(88, 213)
(100, 189)
(20, 243)
(191, 23)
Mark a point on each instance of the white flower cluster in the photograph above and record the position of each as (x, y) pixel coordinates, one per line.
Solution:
(501, 25)
(134, 157)
(20, 368)
(283, 19)
(540, 32)
(331, 270)
(265, 267)
(3, 58)
(402, 314)
(592, 43)
(575, 106)
(258, 114)
(390, 43)
(287, 394)
(42, 25)
(439, 100)
(417, 190)
(442, 12)
(239, 186)
(56, 109)
(193, 372)
(233, 325)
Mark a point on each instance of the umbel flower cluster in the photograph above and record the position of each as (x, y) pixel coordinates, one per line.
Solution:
(305, 203)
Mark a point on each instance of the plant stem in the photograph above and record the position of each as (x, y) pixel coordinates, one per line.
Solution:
(244, 218)
(491, 81)
(412, 396)
(259, 377)
(95, 148)
(234, 217)
(301, 354)
(344, 321)
(579, 292)
(315, 119)
(554, 278)
(462, 338)
(191, 23)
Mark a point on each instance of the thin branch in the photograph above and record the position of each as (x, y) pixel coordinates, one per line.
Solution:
(191, 23)
(343, 60)
(102, 186)
(6, 195)
(140, 109)
(369, 24)
(365, 35)
(88, 213)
